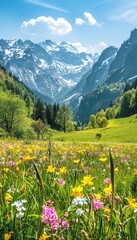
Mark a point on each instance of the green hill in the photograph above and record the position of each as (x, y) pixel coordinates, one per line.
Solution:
(121, 130)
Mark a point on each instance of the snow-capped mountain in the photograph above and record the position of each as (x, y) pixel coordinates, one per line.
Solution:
(121, 71)
(49, 69)
(93, 78)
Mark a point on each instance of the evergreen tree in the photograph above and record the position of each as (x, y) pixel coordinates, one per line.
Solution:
(125, 109)
(39, 111)
(64, 117)
(48, 113)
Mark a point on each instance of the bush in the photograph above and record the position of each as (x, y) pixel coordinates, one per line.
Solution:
(2, 133)
(102, 122)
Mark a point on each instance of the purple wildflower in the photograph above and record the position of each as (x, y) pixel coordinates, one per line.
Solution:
(49, 216)
(97, 204)
(61, 181)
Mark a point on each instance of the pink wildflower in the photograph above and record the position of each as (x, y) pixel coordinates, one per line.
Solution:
(97, 204)
(117, 199)
(107, 181)
(61, 181)
(11, 164)
(63, 223)
(49, 215)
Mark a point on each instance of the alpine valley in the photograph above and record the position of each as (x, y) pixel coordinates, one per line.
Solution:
(57, 72)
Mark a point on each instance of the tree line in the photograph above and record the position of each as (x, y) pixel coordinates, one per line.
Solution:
(24, 114)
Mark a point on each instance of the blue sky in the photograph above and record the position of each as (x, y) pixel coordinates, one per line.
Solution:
(90, 25)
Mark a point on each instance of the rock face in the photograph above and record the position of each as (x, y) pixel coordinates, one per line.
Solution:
(50, 70)
(107, 79)
(92, 79)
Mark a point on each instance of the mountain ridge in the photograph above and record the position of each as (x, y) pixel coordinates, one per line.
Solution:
(50, 73)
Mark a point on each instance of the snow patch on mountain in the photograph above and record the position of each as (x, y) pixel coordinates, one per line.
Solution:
(49, 69)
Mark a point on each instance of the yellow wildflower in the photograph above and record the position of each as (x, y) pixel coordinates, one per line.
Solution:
(8, 197)
(51, 169)
(28, 157)
(76, 161)
(116, 169)
(106, 210)
(77, 191)
(97, 196)
(135, 173)
(103, 159)
(108, 190)
(44, 236)
(7, 236)
(11, 147)
(0, 185)
(132, 203)
(63, 170)
(87, 181)
(6, 170)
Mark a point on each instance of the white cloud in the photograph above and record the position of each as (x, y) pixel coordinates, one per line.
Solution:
(79, 47)
(97, 48)
(129, 16)
(46, 5)
(89, 20)
(79, 21)
(44, 24)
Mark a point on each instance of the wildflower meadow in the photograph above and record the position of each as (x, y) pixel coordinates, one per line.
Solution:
(68, 191)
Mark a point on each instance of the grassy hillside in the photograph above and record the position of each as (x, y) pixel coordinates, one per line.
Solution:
(122, 130)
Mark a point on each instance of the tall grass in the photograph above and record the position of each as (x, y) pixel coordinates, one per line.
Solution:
(80, 191)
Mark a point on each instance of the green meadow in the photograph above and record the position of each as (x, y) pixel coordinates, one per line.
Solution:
(122, 130)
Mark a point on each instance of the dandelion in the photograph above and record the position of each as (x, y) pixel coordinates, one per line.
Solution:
(87, 181)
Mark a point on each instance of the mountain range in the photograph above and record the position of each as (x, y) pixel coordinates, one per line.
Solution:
(120, 71)
(49, 69)
(57, 72)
